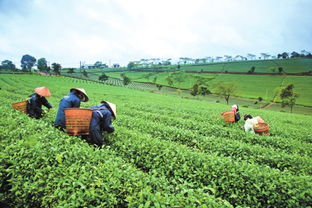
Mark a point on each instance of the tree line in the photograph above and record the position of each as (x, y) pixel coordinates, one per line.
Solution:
(159, 63)
(28, 61)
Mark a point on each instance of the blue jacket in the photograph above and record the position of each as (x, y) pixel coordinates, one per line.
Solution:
(237, 116)
(101, 121)
(69, 101)
(34, 105)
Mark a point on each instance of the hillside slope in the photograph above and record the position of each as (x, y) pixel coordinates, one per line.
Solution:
(179, 149)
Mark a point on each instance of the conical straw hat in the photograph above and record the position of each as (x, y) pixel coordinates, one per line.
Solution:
(43, 91)
(86, 98)
(112, 107)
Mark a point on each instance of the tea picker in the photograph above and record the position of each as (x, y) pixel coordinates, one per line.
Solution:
(255, 125)
(72, 100)
(37, 99)
(101, 121)
(232, 115)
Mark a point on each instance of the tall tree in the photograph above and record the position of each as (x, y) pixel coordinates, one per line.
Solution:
(56, 68)
(27, 62)
(131, 65)
(42, 64)
(288, 96)
(169, 80)
(294, 54)
(7, 64)
(126, 80)
(226, 90)
(194, 90)
(285, 55)
(252, 69)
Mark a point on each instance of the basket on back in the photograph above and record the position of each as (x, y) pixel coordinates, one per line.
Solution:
(78, 121)
(262, 128)
(20, 106)
(229, 116)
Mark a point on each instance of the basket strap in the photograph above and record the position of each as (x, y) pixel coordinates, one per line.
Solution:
(99, 112)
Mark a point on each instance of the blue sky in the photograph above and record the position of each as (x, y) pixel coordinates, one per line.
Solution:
(119, 31)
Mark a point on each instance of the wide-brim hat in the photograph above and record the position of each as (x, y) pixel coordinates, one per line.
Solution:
(112, 107)
(86, 98)
(43, 91)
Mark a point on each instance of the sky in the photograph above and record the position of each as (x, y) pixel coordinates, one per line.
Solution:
(118, 31)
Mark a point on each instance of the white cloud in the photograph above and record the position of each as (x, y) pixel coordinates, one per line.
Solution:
(121, 30)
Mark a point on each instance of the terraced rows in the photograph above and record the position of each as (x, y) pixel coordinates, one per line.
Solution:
(166, 152)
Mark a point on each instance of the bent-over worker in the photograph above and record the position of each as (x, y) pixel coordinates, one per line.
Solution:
(72, 100)
(236, 112)
(101, 121)
(250, 122)
(36, 100)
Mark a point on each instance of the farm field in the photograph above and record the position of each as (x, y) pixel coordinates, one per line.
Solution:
(249, 86)
(297, 65)
(293, 65)
(166, 152)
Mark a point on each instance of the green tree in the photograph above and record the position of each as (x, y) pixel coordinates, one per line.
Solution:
(98, 64)
(85, 73)
(126, 80)
(71, 70)
(203, 90)
(194, 90)
(252, 69)
(169, 81)
(42, 64)
(27, 62)
(7, 64)
(56, 68)
(159, 86)
(103, 77)
(131, 65)
(200, 89)
(260, 99)
(226, 90)
(288, 96)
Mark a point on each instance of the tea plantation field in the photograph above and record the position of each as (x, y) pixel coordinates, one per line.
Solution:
(166, 152)
(248, 86)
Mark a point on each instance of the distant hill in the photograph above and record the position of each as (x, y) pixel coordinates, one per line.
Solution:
(296, 65)
(289, 66)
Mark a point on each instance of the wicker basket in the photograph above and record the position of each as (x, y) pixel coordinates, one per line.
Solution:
(229, 116)
(78, 121)
(262, 128)
(20, 106)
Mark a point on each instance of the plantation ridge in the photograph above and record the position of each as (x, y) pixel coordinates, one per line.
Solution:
(257, 83)
(167, 151)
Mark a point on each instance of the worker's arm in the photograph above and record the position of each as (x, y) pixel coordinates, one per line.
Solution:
(107, 122)
(96, 134)
(45, 102)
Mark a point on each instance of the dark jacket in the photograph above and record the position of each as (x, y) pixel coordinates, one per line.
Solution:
(34, 105)
(69, 101)
(237, 116)
(101, 121)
